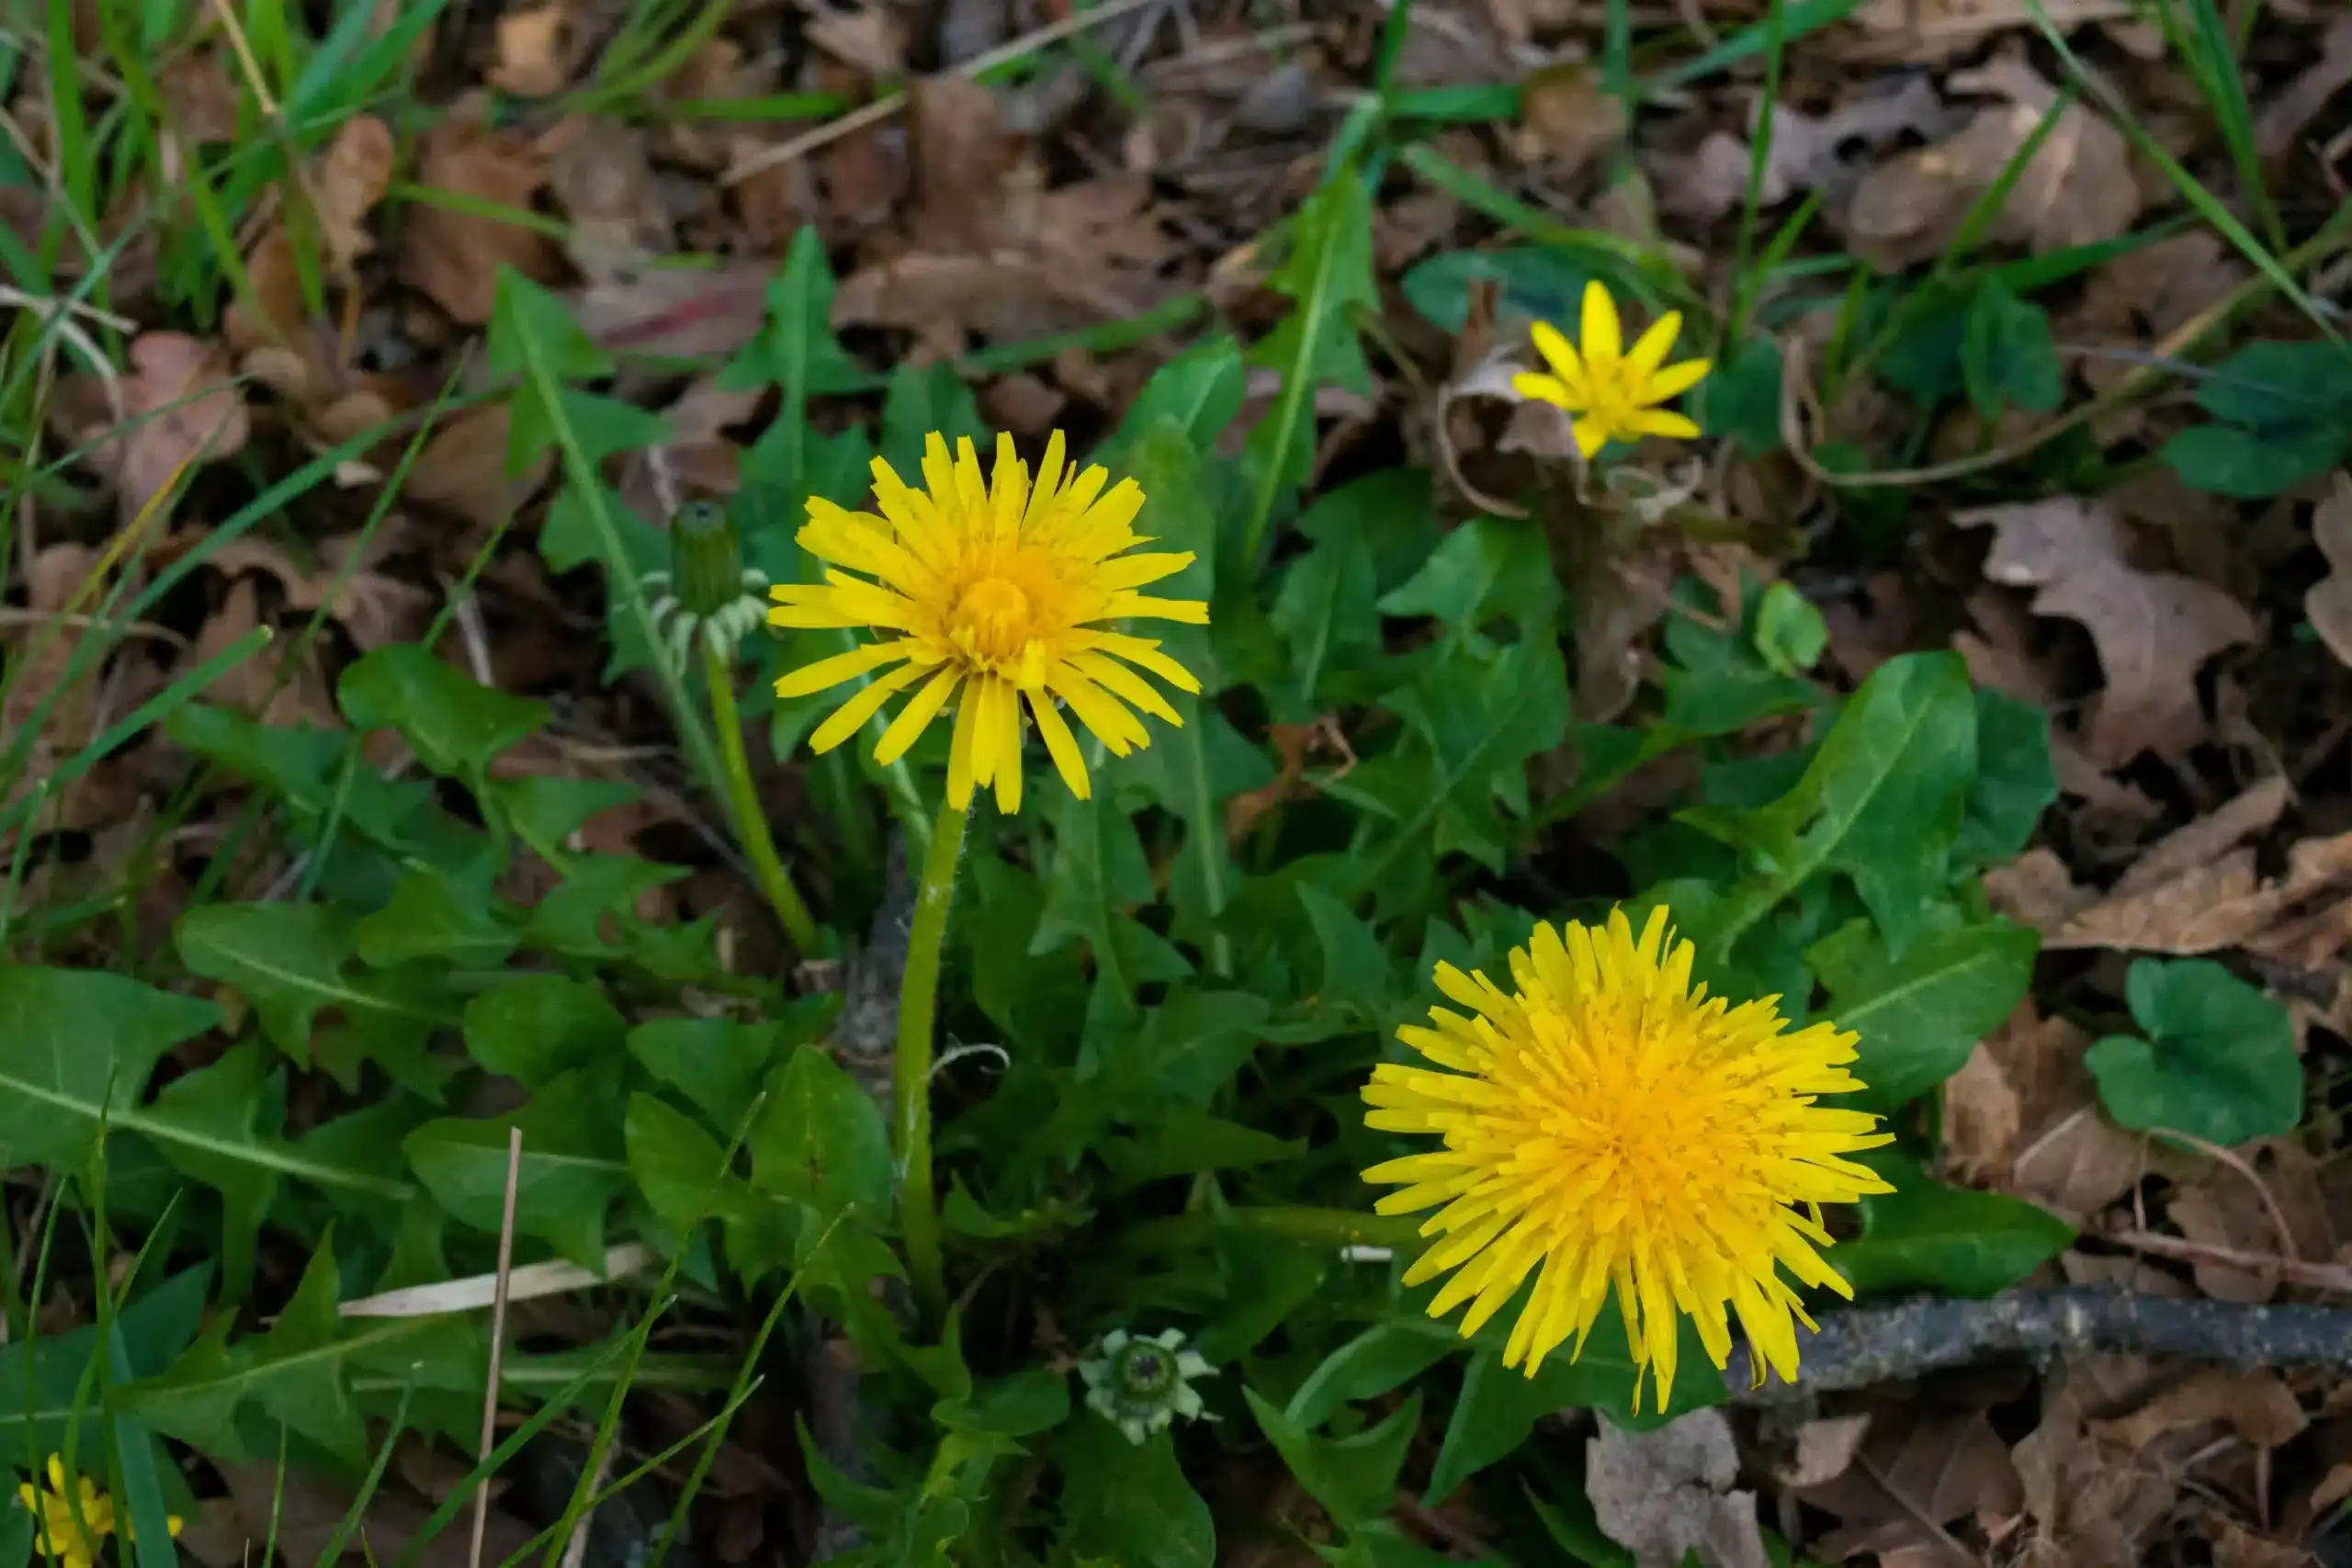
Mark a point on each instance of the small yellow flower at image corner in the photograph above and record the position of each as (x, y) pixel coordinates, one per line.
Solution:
(62, 1535)
(1610, 1127)
(1612, 393)
(991, 592)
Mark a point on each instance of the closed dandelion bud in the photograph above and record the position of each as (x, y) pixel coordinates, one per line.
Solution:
(1140, 1384)
(705, 561)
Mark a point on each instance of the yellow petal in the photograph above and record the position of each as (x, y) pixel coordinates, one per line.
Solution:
(916, 716)
(850, 717)
(1567, 364)
(1004, 712)
(840, 667)
(1136, 607)
(1592, 434)
(1650, 349)
(1675, 380)
(1061, 744)
(1653, 421)
(1602, 343)
(959, 752)
(1546, 390)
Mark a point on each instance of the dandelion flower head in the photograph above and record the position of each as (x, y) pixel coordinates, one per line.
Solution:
(1612, 393)
(1610, 1127)
(991, 592)
(74, 1542)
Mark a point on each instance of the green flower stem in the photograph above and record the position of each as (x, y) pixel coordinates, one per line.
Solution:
(918, 1014)
(751, 823)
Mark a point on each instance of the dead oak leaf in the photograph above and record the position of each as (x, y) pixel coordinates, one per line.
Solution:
(181, 407)
(2329, 603)
(1912, 1469)
(348, 184)
(1664, 1494)
(2152, 629)
(453, 256)
(530, 52)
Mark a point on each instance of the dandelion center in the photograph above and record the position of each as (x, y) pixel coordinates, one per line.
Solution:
(991, 622)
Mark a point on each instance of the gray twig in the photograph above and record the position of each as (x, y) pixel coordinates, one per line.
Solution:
(1861, 1347)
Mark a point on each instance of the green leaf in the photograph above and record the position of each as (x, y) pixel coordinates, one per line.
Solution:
(1129, 1505)
(1474, 721)
(1324, 612)
(573, 1166)
(2218, 1061)
(795, 349)
(291, 961)
(1880, 802)
(1191, 1141)
(2279, 385)
(1356, 972)
(1184, 1052)
(1386, 1356)
(1200, 391)
(1953, 1240)
(1497, 1412)
(1539, 283)
(545, 810)
(1790, 632)
(1327, 272)
(76, 1048)
(297, 1374)
(820, 1139)
(1741, 397)
(1715, 681)
(1355, 1477)
(717, 1064)
(435, 915)
(2015, 780)
(239, 1104)
(452, 723)
(36, 1412)
(1098, 873)
(682, 1171)
(1033, 1400)
(1920, 1015)
(1487, 569)
(922, 402)
(2006, 360)
(2221, 459)
(534, 1028)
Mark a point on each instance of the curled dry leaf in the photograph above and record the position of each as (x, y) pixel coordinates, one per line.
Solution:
(2078, 188)
(530, 52)
(2302, 100)
(699, 461)
(1807, 151)
(601, 179)
(180, 407)
(2086, 1504)
(2257, 1405)
(463, 469)
(1664, 1494)
(374, 608)
(1565, 116)
(676, 312)
(453, 257)
(348, 184)
(2329, 603)
(2152, 629)
(1915, 1470)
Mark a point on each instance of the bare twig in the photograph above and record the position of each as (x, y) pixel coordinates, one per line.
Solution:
(1861, 1347)
(497, 1338)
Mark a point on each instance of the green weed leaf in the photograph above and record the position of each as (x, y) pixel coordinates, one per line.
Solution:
(2216, 1057)
(1920, 1015)
(1953, 1240)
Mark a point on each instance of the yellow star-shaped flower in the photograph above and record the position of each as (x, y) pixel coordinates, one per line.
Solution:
(1613, 394)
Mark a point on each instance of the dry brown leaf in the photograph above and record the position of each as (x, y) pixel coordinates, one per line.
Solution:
(306, 1512)
(374, 608)
(2234, 1546)
(2148, 295)
(530, 52)
(2329, 603)
(1913, 1467)
(2088, 1506)
(181, 407)
(1825, 1450)
(2152, 629)
(1808, 152)
(52, 578)
(699, 461)
(453, 257)
(463, 469)
(1983, 1117)
(1666, 1493)
(869, 38)
(601, 179)
(348, 184)
(2257, 1405)
(2078, 188)
(1565, 118)
(2288, 109)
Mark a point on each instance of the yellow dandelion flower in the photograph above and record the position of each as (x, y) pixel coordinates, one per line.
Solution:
(1611, 1123)
(74, 1542)
(990, 595)
(1613, 393)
